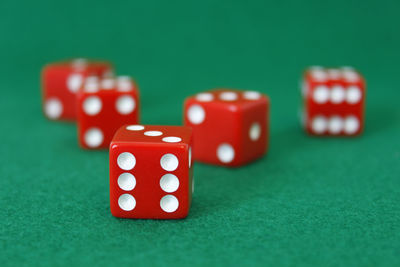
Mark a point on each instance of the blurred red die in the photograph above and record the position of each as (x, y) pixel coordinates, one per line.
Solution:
(104, 105)
(333, 101)
(62, 80)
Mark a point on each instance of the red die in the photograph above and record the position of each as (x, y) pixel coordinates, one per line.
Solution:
(103, 107)
(333, 101)
(229, 127)
(60, 83)
(151, 173)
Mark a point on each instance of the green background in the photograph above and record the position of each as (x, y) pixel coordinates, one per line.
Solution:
(310, 201)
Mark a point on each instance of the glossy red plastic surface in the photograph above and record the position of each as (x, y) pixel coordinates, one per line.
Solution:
(343, 78)
(228, 121)
(148, 151)
(61, 81)
(109, 119)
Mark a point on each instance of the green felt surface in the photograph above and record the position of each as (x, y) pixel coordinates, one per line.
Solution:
(311, 201)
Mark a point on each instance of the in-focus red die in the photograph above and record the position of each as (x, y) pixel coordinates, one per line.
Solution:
(333, 101)
(104, 105)
(151, 172)
(230, 127)
(62, 80)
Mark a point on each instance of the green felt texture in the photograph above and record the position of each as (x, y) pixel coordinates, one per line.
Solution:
(309, 202)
